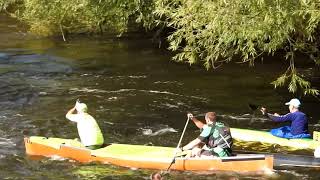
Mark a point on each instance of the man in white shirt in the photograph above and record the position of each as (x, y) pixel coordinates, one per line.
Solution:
(88, 128)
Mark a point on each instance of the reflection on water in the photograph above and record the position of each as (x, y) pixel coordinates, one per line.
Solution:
(135, 92)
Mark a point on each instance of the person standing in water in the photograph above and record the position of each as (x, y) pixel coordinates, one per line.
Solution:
(299, 121)
(88, 129)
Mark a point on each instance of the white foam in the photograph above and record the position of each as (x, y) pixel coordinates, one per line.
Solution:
(149, 132)
(7, 142)
(87, 90)
(57, 158)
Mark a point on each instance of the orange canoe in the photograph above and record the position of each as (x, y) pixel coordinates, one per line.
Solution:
(148, 157)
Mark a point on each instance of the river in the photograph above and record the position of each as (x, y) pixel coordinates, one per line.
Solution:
(136, 93)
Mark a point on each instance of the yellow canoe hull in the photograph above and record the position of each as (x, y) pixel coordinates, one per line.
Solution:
(147, 157)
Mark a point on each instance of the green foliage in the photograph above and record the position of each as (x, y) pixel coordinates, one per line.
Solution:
(145, 15)
(4, 4)
(216, 31)
(295, 82)
(48, 17)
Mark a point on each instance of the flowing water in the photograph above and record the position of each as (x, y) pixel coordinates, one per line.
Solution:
(135, 92)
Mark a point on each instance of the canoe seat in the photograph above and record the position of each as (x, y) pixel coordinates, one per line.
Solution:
(316, 135)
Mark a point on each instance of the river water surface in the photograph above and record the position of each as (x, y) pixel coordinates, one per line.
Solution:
(135, 92)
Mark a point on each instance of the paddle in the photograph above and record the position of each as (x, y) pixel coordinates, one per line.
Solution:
(253, 107)
(157, 175)
(179, 143)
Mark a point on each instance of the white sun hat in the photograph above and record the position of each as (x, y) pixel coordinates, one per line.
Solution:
(81, 107)
(294, 102)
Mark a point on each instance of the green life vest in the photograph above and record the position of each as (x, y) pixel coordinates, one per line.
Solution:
(220, 136)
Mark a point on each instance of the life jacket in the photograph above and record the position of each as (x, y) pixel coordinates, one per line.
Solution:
(220, 136)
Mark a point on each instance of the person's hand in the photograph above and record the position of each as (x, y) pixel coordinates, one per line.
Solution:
(263, 110)
(276, 114)
(190, 116)
(178, 150)
(196, 152)
(77, 102)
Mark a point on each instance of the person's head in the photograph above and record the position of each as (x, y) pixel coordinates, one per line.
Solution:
(294, 104)
(210, 117)
(81, 108)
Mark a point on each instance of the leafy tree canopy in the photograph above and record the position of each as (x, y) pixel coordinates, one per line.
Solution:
(49, 17)
(217, 31)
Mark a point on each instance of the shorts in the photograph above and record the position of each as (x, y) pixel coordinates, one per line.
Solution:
(217, 152)
(209, 153)
(285, 132)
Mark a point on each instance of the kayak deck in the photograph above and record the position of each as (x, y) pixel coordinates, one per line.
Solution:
(266, 137)
(148, 157)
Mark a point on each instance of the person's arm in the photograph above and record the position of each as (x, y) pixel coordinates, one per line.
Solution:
(70, 115)
(278, 118)
(275, 117)
(204, 134)
(191, 144)
(198, 123)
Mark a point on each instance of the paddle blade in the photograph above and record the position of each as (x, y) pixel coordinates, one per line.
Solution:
(253, 107)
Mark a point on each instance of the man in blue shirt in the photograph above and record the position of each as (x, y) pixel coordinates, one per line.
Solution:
(299, 122)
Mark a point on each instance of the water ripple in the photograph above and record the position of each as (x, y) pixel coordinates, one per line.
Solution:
(149, 131)
(74, 90)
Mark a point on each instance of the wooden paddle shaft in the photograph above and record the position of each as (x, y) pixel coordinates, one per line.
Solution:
(175, 153)
(184, 130)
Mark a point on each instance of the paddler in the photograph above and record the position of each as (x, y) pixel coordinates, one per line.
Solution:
(214, 140)
(299, 122)
(88, 128)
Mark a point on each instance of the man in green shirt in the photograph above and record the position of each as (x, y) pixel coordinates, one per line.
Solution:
(214, 140)
(88, 128)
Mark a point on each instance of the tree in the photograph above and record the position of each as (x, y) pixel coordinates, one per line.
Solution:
(4, 4)
(218, 31)
(47, 17)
